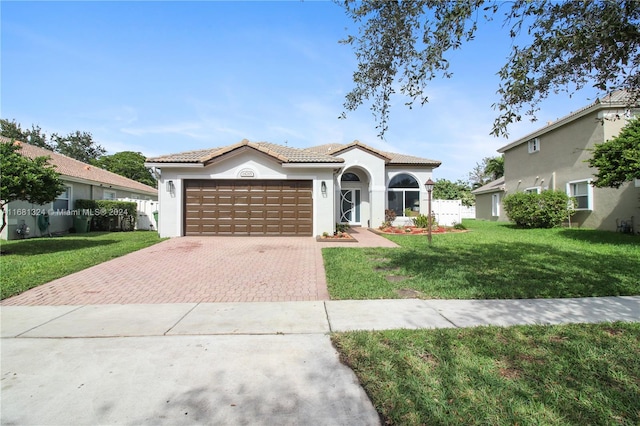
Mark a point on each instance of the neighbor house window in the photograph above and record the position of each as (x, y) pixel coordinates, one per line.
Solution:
(403, 193)
(62, 201)
(495, 205)
(534, 145)
(582, 192)
(108, 195)
(532, 190)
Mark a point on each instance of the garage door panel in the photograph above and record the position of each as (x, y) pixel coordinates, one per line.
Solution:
(248, 207)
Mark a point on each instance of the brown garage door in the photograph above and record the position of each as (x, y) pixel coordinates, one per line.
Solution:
(241, 207)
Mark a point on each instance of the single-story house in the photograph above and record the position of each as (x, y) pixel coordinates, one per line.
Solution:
(82, 181)
(260, 188)
(555, 157)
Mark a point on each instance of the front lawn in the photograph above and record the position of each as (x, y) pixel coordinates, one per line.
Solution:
(29, 263)
(491, 261)
(575, 374)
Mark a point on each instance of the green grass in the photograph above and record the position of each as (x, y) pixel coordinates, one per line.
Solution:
(491, 261)
(525, 375)
(29, 263)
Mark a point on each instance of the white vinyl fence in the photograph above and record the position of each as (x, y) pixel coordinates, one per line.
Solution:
(146, 208)
(446, 212)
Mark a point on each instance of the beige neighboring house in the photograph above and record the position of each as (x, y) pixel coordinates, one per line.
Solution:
(82, 181)
(554, 157)
(260, 188)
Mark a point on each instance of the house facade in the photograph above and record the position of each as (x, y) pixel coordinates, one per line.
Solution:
(82, 181)
(555, 157)
(259, 188)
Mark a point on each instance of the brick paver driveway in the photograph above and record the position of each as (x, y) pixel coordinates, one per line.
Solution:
(200, 269)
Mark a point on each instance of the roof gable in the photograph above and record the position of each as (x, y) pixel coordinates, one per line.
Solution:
(72, 168)
(390, 158)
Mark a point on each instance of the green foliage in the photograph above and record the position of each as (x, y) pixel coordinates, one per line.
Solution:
(444, 189)
(109, 215)
(422, 221)
(26, 179)
(459, 226)
(342, 227)
(128, 164)
(490, 169)
(389, 217)
(618, 160)
(404, 45)
(35, 136)
(78, 145)
(531, 210)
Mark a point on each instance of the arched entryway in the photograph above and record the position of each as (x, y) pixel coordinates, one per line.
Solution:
(354, 198)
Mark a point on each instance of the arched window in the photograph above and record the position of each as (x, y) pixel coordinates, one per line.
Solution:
(403, 193)
(350, 177)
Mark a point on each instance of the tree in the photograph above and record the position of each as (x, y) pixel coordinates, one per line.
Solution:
(491, 168)
(78, 145)
(128, 164)
(444, 189)
(35, 136)
(572, 44)
(618, 160)
(23, 178)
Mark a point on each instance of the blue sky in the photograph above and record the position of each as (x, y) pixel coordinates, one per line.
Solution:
(166, 77)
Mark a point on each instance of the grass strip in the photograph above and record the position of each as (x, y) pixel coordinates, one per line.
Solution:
(29, 263)
(527, 375)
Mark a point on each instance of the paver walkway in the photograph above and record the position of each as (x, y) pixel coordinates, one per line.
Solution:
(202, 269)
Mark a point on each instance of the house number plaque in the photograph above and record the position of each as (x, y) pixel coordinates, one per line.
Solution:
(247, 173)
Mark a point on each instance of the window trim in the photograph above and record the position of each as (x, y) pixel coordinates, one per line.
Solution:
(534, 189)
(68, 198)
(533, 145)
(589, 193)
(402, 192)
(495, 205)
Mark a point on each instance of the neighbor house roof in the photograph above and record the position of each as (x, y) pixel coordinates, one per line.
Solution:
(73, 168)
(283, 154)
(618, 100)
(493, 186)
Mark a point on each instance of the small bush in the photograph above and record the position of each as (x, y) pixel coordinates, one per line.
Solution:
(459, 226)
(422, 221)
(342, 227)
(530, 210)
(389, 217)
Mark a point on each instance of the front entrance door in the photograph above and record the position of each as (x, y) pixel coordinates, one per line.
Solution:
(350, 206)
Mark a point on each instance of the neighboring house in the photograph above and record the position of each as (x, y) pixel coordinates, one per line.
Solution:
(554, 157)
(259, 188)
(82, 181)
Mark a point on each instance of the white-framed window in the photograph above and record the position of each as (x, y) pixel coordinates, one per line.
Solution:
(534, 145)
(495, 205)
(582, 192)
(108, 195)
(62, 201)
(533, 190)
(403, 193)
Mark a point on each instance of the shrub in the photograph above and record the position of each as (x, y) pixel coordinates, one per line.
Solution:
(389, 217)
(109, 215)
(422, 221)
(342, 227)
(530, 210)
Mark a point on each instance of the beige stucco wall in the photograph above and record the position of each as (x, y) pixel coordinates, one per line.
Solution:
(484, 207)
(562, 159)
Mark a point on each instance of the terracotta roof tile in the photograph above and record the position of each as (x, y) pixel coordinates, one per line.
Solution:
(67, 166)
(391, 157)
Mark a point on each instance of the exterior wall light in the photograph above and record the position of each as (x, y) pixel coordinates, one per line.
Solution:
(323, 187)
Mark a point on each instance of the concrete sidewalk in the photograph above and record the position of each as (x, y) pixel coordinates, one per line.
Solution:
(226, 363)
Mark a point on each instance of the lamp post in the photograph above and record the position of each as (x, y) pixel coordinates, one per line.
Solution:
(429, 186)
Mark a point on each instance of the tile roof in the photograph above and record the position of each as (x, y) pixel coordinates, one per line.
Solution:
(70, 167)
(284, 154)
(391, 158)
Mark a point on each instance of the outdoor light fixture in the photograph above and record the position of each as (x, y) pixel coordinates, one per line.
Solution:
(170, 187)
(429, 187)
(323, 187)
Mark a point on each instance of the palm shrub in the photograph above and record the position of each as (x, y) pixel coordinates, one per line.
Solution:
(547, 209)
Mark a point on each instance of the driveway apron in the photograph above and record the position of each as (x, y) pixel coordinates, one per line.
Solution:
(200, 269)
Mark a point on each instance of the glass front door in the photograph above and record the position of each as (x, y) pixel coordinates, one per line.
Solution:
(350, 206)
